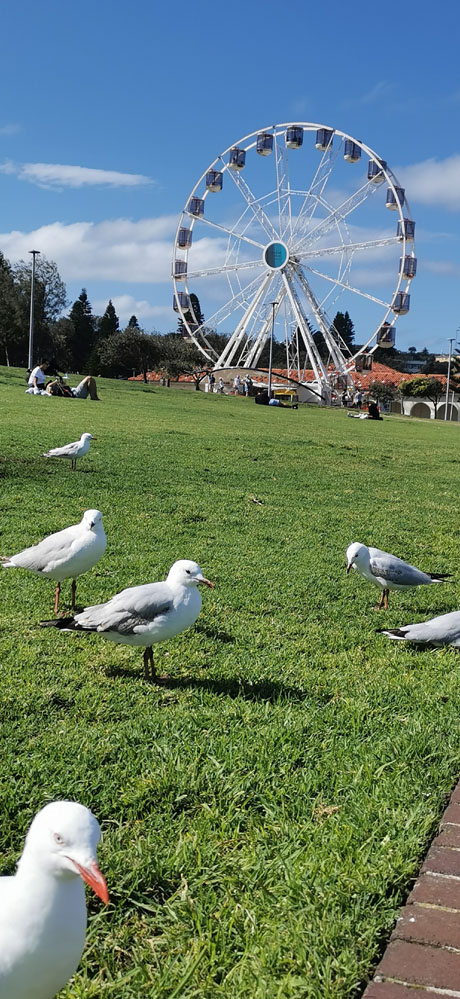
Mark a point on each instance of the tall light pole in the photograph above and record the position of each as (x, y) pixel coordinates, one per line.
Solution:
(451, 341)
(31, 319)
(273, 305)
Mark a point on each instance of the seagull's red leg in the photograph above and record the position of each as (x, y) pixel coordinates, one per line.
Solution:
(149, 668)
(73, 591)
(56, 597)
(380, 604)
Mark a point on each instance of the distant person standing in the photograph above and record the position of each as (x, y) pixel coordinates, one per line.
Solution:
(221, 386)
(237, 384)
(211, 381)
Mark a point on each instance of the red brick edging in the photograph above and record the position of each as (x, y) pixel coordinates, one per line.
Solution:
(422, 959)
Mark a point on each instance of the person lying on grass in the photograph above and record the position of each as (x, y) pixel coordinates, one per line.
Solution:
(87, 387)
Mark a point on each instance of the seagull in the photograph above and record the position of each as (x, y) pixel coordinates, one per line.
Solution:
(443, 630)
(388, 571)
(77, 449)
(64, 555)
(144, 615)
(42, 906)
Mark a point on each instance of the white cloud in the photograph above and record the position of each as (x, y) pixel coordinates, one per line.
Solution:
(126, 306)
(116, 250)
(58, 175)
(381, 89)
(433, 182)
(10, 129)
(446, 268)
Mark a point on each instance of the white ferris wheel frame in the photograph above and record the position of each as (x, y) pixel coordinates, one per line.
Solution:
(246, 343)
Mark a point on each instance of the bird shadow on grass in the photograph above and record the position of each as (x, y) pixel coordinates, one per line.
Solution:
(262, 690)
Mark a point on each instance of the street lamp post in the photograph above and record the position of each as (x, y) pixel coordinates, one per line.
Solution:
(31, 318)
(273, 305)
(451, 341)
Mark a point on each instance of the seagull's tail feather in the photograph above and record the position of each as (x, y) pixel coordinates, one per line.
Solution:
(398, 633)
(5, 561)
(63, 623)
(439, 577)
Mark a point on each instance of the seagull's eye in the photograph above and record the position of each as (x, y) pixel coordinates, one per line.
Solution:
(58, 838)
(188, 572)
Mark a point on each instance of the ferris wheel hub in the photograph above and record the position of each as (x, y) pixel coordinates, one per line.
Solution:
(276, 255)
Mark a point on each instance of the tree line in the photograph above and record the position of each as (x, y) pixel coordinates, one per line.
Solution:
(81, 341)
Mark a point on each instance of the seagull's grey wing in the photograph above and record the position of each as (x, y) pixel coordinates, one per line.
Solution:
(395, 570)
(46, 553)
(443, 630)
(135, 607)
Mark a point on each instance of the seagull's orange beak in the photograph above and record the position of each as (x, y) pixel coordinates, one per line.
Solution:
(349, 567)
(93, 878)
(207, 582)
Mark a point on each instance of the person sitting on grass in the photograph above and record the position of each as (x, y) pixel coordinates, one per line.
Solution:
(87, 387)
(36, 380)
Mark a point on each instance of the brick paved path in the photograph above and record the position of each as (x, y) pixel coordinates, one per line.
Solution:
(422, 960)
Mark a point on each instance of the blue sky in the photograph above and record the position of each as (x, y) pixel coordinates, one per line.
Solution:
(114, 111)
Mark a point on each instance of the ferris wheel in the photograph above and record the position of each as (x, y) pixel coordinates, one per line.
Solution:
(287, 226)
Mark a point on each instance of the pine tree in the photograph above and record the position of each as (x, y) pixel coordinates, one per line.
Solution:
(109, 323)
(194, 316)
(343, 325)
(133, 324)
(84, 332)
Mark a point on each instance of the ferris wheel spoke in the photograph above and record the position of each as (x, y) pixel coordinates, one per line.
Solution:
(315, 192)
(369, 244)
(348, 287)
(283, 190)
(332, 338)
(225, 269)
(231, 232)
(238, 336)
(303, 324)
(236, 301)
(253, 203)
(253, 353)
(338, 214)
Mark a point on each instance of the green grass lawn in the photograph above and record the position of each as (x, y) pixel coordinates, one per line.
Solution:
(265, 810)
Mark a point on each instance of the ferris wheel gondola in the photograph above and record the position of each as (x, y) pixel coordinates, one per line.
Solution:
(286, 225)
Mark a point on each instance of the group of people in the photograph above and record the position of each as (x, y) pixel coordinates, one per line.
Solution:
(352, 399)
(57, 386)
(243, 386)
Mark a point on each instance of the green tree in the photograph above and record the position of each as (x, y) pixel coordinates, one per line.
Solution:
(83, 339)
(194, 316)
(424, 388)
(343, 325)
(133, 323)
(13, 338)
(49, 302)
(382, 390)
(109, 322)
(131, 351)
(179, 356)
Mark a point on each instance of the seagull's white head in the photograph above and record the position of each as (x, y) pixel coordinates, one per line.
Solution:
(187, 573)
(357, 556)
(62, 841)
(87, 437)
(91, 518)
